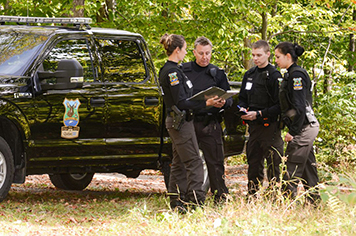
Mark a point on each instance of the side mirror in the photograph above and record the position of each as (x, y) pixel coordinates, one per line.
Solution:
(68, 75)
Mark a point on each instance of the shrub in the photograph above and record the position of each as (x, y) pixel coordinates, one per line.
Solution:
(336, 112)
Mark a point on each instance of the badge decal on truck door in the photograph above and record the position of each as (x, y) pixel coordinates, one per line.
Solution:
(70, 119)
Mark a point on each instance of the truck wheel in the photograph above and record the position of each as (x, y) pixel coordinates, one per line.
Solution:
(71, 181)
(166, 170)
(206, 183)
(6, 169)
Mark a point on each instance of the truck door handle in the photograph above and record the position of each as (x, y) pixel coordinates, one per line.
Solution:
(151, 101)
(97, 102)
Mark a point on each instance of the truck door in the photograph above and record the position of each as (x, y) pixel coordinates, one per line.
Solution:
(134, 100)
(69, 115)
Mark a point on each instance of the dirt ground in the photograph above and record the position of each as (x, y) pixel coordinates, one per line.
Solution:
(150, 181)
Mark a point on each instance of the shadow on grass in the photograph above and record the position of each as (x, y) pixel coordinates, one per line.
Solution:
(52, 194)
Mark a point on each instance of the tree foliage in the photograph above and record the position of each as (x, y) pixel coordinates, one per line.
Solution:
(326, 29)
(231, 25)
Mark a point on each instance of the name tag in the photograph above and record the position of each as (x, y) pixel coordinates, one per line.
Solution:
(248, 86)
(189, 83)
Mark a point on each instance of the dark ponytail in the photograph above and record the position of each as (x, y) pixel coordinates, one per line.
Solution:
(299, 50)
(171, 42)
(295, 50)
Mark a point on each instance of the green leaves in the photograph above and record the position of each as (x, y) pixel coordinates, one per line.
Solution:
(227, 23)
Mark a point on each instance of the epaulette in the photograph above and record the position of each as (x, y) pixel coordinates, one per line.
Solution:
(251, 70)
(187, 66)
(212, 70)
(296, 68)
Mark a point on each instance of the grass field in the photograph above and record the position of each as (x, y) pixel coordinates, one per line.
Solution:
(37, 208)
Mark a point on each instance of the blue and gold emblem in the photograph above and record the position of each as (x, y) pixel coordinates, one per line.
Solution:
(173, 78)
(70, 119)
(297, 83)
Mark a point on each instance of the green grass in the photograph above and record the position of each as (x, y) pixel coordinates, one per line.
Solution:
(44, 210)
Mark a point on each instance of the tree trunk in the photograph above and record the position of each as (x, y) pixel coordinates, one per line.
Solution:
(78, 8)
(110, 4)
(315, 89)
(103, 13)
(248, 63)
(164, 12)
(7, 7)
(352, 46)
(328, 78)
(264, 25)
(274, 10)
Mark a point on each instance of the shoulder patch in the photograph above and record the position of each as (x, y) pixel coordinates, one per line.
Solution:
(173, 78)
(297, 83)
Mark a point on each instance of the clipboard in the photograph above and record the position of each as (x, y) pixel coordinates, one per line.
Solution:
(212, 92)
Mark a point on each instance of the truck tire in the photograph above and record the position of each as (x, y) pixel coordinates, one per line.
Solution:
(6, 168)
(166, 170)
(71, 181)
(206, 182)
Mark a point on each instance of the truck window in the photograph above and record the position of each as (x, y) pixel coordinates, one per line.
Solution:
(17, 51)
(122, 61)
(71, 49)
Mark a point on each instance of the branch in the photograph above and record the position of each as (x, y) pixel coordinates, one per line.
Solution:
(247, 21)
(305, 32)
(330, 38)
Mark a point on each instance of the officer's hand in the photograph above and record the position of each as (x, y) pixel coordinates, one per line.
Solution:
(250, 115)
(242, 109)
(220, 103)
(288, 137)
(212, 101)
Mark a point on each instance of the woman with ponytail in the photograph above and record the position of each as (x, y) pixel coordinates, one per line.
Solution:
(187, 175)
(297, 114)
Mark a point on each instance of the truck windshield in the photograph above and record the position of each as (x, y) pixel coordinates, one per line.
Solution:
(17, 51)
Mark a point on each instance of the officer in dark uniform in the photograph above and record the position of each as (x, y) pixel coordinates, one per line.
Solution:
(297, 114)
(259, 99)
(186, 176)
(207, 121)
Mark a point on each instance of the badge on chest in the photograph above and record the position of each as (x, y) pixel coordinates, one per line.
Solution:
(189, 84)
(248, 84)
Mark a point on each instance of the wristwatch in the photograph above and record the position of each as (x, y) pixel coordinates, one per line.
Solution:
(258, 114)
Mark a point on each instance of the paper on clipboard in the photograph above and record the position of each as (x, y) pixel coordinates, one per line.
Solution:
(212, 92)
(229, 93)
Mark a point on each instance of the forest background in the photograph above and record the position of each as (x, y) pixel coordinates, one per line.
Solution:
(326, 29)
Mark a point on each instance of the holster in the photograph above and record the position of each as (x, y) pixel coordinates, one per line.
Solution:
(179, 117)
(309, 113)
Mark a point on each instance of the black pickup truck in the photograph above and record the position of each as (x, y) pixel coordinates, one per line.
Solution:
(76, 100)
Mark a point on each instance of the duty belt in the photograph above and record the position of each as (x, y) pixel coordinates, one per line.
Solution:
(188, 117)
(207, 118)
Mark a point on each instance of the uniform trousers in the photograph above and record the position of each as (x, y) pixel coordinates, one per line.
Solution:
(210, 142)
(301, 162)
(263, 143)
(187, 175)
